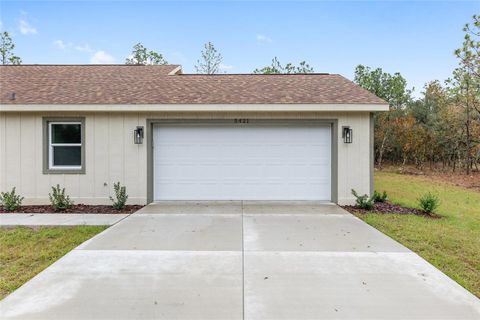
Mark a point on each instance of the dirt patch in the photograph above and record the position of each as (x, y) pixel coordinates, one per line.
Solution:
(77, 208)
(390, 208)
(459, 179)
(470, 182)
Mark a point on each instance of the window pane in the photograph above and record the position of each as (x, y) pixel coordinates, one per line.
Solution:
(66, 133)
(67, 156)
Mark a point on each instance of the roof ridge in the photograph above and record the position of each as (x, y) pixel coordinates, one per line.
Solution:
(260, 74)
(169, 65)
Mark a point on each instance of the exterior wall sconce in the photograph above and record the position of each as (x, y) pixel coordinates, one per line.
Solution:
(138, 135)
(347, 134)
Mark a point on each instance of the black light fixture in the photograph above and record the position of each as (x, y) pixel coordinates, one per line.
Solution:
(347, 134)
(138, 135)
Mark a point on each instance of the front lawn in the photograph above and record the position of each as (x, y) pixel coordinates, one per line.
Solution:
(451, 243)
(24, 252)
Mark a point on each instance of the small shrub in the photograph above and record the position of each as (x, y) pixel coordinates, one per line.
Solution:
(429, 202)
(10, 200)
(59, 200)
(380, 197)
(120, 196)
(363, 202)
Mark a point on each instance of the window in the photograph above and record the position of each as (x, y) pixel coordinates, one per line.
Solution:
(65, 146)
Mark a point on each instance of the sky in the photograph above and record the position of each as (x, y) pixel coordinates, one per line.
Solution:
(415, 38)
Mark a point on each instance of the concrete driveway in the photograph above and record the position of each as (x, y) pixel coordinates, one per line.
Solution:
(241, 260)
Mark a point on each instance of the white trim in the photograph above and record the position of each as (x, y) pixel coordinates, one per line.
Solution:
(177, 70)
(51, 145)
(192, 107)
(216, 175)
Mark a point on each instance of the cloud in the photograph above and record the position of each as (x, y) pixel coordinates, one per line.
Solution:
(263, 38)
(225, 67)
(101, 57)
(84, 48)
(62, 45)
(26, 28)
(98, 57)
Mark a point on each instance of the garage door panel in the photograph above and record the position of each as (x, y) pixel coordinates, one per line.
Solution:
(242, 163)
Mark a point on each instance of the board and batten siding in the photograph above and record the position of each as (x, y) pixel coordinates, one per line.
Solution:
(111, 155)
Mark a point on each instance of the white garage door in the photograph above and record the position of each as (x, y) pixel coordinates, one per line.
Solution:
(242, 162)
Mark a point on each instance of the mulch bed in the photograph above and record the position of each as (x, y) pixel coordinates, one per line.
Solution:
(390, 208)
(77, 208)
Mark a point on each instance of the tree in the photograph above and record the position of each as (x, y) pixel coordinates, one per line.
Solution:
(466, 85)
(432, 115)
(465, 89)
(391, 88)
(210, 61)
(441, 126)
(469, 53)
(6, 50)
(141, 56)
(277, 68)
(412, 140)
(449, 135)
(426, 110)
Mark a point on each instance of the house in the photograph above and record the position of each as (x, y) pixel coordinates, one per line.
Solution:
(172, 136)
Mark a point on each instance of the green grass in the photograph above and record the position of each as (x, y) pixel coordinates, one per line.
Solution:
(452, 243)
(24, 252)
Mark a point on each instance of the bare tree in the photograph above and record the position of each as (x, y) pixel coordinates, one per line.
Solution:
(210, 61)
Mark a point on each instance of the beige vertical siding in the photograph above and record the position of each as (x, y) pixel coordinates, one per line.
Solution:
(112, 156)
(354, 158)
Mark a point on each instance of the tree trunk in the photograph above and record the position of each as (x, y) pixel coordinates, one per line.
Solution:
(380, 152)
(468, 133)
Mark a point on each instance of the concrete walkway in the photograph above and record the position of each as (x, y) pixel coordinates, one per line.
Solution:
(58, 219)
(241, 260)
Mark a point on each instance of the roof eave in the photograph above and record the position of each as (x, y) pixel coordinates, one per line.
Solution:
(334, 107)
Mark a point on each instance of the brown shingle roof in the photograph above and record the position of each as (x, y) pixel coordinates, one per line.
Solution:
(123, 84)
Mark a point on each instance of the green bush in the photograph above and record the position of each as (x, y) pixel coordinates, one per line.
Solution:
(59, 200)
(363, 202)
(380, 197)
(120, 196)
(10, 200)
(429, 202)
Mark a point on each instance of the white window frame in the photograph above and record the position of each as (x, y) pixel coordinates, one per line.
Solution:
(51, 165)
